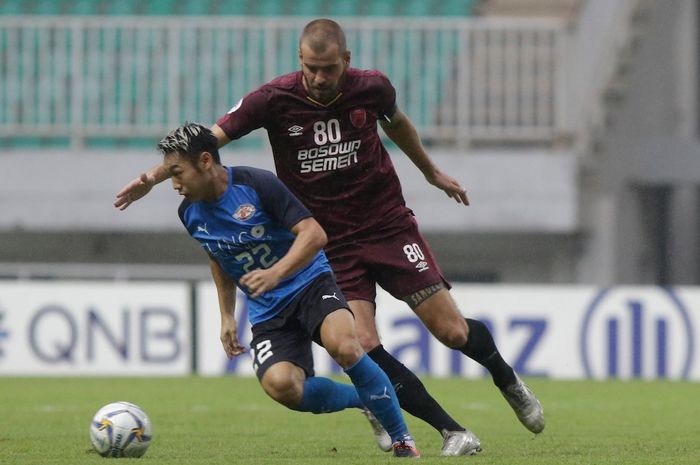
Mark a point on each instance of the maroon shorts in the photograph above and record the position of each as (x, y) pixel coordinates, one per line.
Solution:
(398, 259)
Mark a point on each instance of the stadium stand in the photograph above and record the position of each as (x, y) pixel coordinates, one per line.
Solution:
(47, 7)
(567, 9)
(114, 89)
(529, 84)
(263, 8)
(411, 8)
(11, 7)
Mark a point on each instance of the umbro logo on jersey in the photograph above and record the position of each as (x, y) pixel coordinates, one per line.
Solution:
(244, 212)
(329, 296)
(422, 266)
(203, 229)
(295, 130)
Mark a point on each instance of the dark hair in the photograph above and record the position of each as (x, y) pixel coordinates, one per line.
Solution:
(320, 33)
(190, 140)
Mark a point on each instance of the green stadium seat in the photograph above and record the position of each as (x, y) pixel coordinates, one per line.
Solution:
(417, 8)
(84, 7)
(196, 7)
(24, 143)
(160, 7)
(344, 8)
(382, 8)
(45, 7)
(235, 7)
(13, 7)
(121, 7)
(269, 8)
(308, 8)
(456, 7)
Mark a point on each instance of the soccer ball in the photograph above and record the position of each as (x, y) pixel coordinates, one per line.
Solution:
(120, 429)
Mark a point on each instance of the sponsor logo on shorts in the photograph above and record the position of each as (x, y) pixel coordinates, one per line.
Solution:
(329, 296)
(422, 266)
(295, 130)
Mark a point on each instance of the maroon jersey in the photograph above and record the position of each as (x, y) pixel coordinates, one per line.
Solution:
(330, 156)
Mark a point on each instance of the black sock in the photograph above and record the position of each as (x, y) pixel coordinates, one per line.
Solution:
(412, 395)
(481, 348)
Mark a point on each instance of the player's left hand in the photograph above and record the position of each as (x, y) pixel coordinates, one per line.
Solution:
(450, 185)
(260, 281)
(229, 337)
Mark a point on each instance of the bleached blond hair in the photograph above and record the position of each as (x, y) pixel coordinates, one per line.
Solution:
(190, 140)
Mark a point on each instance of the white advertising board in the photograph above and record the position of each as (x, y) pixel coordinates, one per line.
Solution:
(562, 332)
(94, 328)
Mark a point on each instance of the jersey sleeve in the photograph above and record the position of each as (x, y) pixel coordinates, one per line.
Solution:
(184, 205)
(245, 116)
(387, 98)
(276, 199)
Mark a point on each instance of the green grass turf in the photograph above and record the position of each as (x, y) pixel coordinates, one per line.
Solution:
(230, 421)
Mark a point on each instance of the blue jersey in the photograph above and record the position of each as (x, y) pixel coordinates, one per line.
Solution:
(249, 228)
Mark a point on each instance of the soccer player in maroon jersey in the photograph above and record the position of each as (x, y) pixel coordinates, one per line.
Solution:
(322, 125)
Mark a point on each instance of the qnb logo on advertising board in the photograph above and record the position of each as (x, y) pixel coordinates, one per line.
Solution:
(637, 333)
(58, 334)
(4, 333)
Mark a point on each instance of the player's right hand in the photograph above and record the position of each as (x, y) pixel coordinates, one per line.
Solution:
(134, 191)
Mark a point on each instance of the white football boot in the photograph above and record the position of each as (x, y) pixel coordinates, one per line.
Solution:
(526, 406)
(459, 443)
(380, 434)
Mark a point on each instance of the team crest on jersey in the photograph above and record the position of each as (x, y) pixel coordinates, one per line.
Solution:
(358, 117)
(244, 212)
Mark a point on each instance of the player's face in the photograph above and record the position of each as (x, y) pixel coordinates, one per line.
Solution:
(188, 180)
(323, 72)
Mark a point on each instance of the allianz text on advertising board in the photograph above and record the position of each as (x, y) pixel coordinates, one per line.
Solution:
(94, 328)
(639, 333)
(565, 332)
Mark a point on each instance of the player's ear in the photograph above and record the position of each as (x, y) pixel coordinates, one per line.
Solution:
(346, 57)
(205, 160)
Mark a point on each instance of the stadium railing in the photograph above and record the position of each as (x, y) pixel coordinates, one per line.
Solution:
(464, 81)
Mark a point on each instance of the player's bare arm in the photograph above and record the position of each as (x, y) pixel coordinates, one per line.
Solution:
(142, 185)
(221, 137)
(310, 238)
(226, 292)
(402, 131)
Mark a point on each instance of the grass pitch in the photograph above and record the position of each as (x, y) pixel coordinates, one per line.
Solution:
(231, 421)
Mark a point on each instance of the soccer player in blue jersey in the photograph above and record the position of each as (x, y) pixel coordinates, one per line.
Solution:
(322, 123)
(260, 238)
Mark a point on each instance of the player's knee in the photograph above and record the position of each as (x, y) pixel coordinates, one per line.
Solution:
(283, 387)
(346, 352)
(454, 335)
(367, 341)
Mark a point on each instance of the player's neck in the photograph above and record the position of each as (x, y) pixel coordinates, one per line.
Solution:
(219, 184)
(325, 101)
